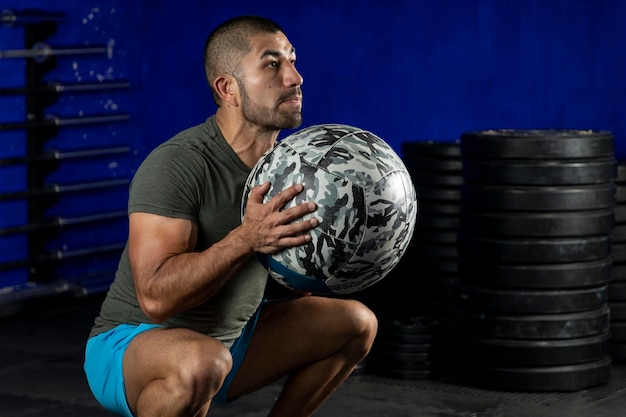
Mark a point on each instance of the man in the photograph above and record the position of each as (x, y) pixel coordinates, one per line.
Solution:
(184, 322)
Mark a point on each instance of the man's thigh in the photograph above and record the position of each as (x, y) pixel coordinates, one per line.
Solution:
(163, 352)
(291, 334)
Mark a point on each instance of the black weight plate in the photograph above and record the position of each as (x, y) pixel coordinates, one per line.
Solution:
(408, 325)
(440, 250)
(538, 198)
(528, 172)
(621, 171)
(536, 352)
(618, 310)
(562, 275)
(618, 331)
(544, 378)
(617, 291)
(442, 149)
(397, 362)
(436, 265)
(536, 326)
(552, 224)
(434, 178)
(618, 271)
(441, 194)
(538, 143)
(514, 301)
(620, 213)
(533, 250)
(449, 165)
(618, 235)
(434, 236)
(618, 352)
(438, 221)
(403, 338)
(439, 208)
(406, 374)
(618, 250)
(620, 193)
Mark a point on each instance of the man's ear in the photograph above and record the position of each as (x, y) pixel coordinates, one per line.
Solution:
(227, 88)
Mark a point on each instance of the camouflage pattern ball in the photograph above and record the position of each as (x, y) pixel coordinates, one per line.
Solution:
(367, 207)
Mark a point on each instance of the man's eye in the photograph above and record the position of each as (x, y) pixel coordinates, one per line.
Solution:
(273, 64)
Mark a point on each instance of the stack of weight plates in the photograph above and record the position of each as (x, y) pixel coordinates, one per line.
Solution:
(617, 286)
(436, 170)
(537, 214)
(403, 348)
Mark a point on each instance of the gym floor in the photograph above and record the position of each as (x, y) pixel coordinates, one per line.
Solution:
(41, 374)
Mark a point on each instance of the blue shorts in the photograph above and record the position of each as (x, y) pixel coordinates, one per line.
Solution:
(105, 352)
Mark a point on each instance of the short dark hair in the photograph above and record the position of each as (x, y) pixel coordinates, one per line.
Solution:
(229, 42)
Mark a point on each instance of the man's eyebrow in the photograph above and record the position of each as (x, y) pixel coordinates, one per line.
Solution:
(276, 53)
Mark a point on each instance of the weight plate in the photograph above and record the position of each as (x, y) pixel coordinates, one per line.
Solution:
(621, 171)
(398, 362)
(406, 374)
(538, 198)
(443, 221)
(618, 331)
(538, 144)
(438, 193)
(438, 208)
(533, 250)
(547, 378)
(436, 265)
(536, 352)
(618, 310)
(617, 291)
(536, 326)
(509, 301)
(618, 271)
(552, 224)
(435, 178)
(619, 233)
(440, 250)
(434, 236)
(426, 163)
(403, 338)
(416, 325)
(620, 213)
(618, 251)
(562, 275)
(528, 172)
(445, 149)
(620, 193)
(618, 352)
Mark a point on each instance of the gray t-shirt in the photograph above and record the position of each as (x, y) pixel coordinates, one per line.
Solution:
(196, 176)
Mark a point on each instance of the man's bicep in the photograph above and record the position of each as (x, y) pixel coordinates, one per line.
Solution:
(153, 239)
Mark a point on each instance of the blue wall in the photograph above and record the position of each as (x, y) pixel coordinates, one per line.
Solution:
(406, 70)
(414, 70)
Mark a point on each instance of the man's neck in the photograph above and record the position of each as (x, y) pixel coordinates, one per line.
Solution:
(247, 140)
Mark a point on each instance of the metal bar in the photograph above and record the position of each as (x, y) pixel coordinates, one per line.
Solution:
(61, 222)
(60, 189)
(57, 87)
(60, 255)
(19, 297)
(88, 120)
(10, 18)
(53, 121)
(58, 155)
(41, 51)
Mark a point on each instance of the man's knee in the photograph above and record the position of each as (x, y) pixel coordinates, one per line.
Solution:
(365, 321)
(206, 365)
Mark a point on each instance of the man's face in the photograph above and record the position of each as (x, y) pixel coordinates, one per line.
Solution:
(270, 84)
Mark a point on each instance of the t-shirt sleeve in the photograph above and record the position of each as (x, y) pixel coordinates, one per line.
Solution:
(167, 183)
